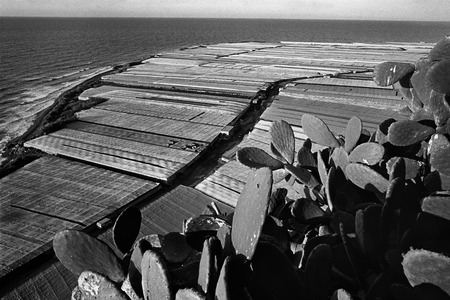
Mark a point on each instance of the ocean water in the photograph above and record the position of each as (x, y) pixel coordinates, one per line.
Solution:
(40, 57)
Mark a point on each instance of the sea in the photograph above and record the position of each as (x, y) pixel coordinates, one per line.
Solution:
(41, 57)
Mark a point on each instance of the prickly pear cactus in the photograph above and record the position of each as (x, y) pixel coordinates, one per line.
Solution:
(318, 272)
(438, 77)
(341, 294)
(440, 51)
(352, 133)
(440, 107)
(412, 168)
(318, 131)
(420, 89)
(78, 252)
(189, 294)
(302, 175)
(305, 157)
(95, 286)
(232, 281)
(367, 153)
(126, 228)
(208, 269)
(175, 247)
(367, 232)
(423, 266)
(251, 211)
(388, 73)
(425, 85)
(283, 140)
(256, 158)
(339, 158)
(155, 277)
(275, 274)
(406, 132)
(437, 205)
(305, 210)
(366, 178)
(439, 154)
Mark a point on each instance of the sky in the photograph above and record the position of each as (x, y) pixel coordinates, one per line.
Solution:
(406, 10)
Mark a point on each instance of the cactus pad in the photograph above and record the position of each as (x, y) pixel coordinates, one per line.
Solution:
(411, 167)
(155, 281)
(126, 228)
(305, 158)
(352, 133)
(437, 205)
(435, 181)
(438, 141)
(175, 247)
(78, 252)
(420, 87)
(406, 132)
(366, 178)
(321, 168)
(208, 266)
(440, 51)
(367, 226)
(302, 175)
(187, 274)
(440, 108)
(439, 157)
(203, 223)
(396, 167)
(283, 140)
(339, 158)
(395, 195)
(275, 274)
(189, 294)
(95, 286)
(330, 187)
(367, 153)
(341, 294)
(382, 131)
(251, 211)
(318, 131)
(305, 210)
(233, 279)
(388, 73)
(318, 272)
(256, 158)
(134, 268)
(347, 219)
(423, 266)
(438, 77)
(277, 199)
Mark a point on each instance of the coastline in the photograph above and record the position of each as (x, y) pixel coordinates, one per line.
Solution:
(14, 154)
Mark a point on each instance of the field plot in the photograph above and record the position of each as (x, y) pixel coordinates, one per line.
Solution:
(53, 194)
(149, 133)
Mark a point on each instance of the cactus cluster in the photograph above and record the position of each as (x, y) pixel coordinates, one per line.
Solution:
(366, 217)
(425, 85)
(377, 213)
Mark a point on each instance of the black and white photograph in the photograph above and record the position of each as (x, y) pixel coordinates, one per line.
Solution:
(224, 150)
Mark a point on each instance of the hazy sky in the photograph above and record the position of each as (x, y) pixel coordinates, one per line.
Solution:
(414, 10)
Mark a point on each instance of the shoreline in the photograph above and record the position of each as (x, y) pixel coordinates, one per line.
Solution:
(14, 155)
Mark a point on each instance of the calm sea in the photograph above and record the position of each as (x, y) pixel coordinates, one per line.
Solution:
(39, 57)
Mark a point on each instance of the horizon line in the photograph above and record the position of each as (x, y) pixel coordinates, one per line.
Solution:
(224, 18)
